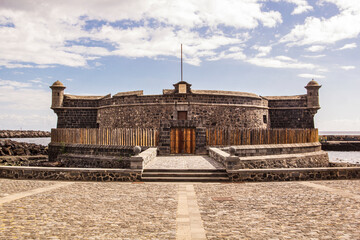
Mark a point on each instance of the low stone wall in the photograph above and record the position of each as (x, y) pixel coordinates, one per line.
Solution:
(300, 160)
(295, 160)
(104, 157)
(325, 138)
(37, 160)
(92, 161)
(82, 149)
(219, 155)
(341, 145)
(274, 149)
(23, 134)
(146, 156)
(14, 148)
(294, 174)
(70, 174)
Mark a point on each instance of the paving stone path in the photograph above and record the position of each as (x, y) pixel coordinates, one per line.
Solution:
(95, 210)
(184, 162)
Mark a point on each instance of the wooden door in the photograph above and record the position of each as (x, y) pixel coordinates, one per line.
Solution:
(182, 140)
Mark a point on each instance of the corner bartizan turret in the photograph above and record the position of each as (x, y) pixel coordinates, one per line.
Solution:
(313, 96)
(57, 94)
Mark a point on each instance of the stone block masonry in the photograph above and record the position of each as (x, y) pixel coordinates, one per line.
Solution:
(56, 149)
(208, 108)
(70, 174)
(294, 174)
(23, 134)
(299, 155)
(77, 118)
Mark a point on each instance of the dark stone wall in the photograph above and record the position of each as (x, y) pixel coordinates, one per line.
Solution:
(301, 102)
(147, 111)
(76, 118)
(229, 116)
(171, 98)
(290, 113)
(145, 116)
(291, 118)
(56, 149)
(149, 116)
(301, 174)
(341, 146)
(80, 103)
(70, 174)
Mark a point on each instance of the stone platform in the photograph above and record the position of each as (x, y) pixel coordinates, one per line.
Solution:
(96, 210)
(184, 162)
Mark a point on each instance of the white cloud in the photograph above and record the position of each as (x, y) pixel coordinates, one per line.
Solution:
(309, 75)
(285, 58)
(280, 62)
(347, 67)
(315, 48)
(314, 56)
(36, 80)
(13, 84)
(22, 96)
(24, 105)
(345, 25)
(57, 33)
(263, 50)
(348, 46)
(28, 121)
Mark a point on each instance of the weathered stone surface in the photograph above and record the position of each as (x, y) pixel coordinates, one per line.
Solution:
(294, 174)
(92, 210)
(300, 155)
(71, 174)
(274, 149)
(280, 210)
(35, 160)
(23, 134)
(56, 149)
(341, 145)
(14, 148)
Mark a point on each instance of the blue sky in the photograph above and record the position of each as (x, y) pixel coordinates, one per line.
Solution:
(98, 47)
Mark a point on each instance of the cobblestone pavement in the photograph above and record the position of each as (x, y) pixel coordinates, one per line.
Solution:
(184, 162)
(275, 210)
(94, 210)
(8, 186)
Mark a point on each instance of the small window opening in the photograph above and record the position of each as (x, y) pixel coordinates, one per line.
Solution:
(265, 118)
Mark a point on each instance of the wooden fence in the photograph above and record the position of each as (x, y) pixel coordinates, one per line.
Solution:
(150, 137)
(226, 137)
(105, 136)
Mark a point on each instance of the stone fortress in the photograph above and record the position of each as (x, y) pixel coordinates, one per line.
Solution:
(182, 107)
(185, 135)
(206, 108)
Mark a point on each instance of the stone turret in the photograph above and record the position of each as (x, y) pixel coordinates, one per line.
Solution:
(57, 94)
(313, 96)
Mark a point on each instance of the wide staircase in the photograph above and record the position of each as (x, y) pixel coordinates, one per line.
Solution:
(184, 175)
(184, 169)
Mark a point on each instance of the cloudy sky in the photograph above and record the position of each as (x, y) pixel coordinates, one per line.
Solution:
(269, 48)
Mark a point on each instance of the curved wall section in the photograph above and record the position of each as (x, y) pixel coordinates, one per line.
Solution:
(150, 115)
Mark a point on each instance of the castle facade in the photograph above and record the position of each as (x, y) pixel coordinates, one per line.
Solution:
(184, 108)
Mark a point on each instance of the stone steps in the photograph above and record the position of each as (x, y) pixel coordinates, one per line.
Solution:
(184, 175)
